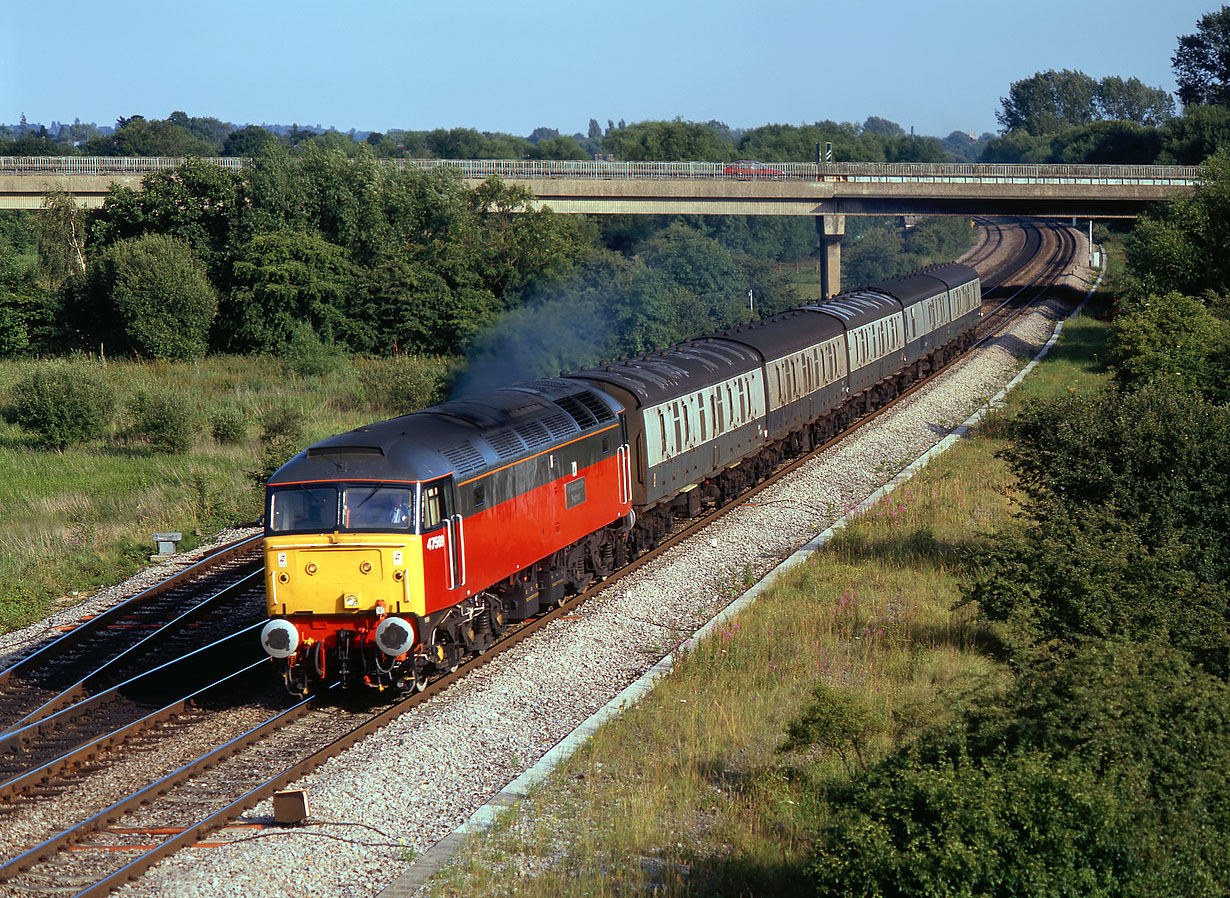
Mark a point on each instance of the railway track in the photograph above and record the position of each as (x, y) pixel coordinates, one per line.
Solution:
(268, 755)
(170, 617)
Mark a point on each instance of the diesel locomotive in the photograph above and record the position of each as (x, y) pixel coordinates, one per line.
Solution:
(397, 549)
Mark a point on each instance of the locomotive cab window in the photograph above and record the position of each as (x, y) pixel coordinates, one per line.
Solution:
(377, 508)
(300, 508)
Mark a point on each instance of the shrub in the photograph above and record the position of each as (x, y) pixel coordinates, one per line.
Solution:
(281, 439)
(402, 384)
(309, 356)
(161, 419)
(64, 403)
(1102, 772)
(229, 425)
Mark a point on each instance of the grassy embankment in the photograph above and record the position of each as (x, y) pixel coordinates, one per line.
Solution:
(77, 519)
(686, 792)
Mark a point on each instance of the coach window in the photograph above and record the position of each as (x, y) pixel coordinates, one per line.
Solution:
(662, 428)
(700, 412)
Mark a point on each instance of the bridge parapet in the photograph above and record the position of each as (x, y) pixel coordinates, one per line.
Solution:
(786, 188)
(532, 169)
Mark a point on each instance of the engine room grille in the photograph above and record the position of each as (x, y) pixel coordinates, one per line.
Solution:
(534, 434)
(560, 425)
(465, 457)
(599, 409)
(506, 444)
(577, 411)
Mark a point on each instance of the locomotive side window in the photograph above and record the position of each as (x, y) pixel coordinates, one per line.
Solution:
(303, 509)
(376, 508)
(434, 506)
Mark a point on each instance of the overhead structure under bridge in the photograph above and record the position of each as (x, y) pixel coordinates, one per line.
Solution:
(828, 190)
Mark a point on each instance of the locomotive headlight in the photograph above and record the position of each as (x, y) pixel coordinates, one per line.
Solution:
(311, 568)
(395, 636)
(279, 638)
(350, 601)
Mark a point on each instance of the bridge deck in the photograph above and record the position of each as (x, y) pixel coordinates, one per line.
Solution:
(846, 188)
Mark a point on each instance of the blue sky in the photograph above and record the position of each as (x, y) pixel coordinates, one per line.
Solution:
(505, 66)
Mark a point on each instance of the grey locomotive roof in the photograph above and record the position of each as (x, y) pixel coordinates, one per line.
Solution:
(465, 436)
(686, 366)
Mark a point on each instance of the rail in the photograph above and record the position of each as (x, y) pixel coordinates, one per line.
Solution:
(530, 170)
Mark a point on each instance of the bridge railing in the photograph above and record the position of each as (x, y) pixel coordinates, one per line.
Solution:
(530, 170)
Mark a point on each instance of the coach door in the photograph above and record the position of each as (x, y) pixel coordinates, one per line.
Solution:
(444, 557)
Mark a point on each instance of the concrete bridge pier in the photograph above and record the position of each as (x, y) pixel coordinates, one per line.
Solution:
(831, 229)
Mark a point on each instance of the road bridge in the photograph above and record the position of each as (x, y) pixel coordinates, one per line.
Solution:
(828, 191)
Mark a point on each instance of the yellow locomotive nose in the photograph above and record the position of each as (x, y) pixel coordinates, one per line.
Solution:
(343, 573)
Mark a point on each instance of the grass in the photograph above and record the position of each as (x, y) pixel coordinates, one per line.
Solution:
(74, 520)
(688, 793)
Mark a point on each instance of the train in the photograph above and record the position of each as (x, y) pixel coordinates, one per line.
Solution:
(396, 550)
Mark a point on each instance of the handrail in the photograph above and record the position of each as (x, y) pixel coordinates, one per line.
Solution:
(531, 169)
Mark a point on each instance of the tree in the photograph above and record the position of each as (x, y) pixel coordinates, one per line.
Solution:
(1202, 61)
(138, 137)
(673, 141)
(716, 294)
(246, 141)
(915, 149)
(1047, 101)
(1196, 135)
(1132, 101)
(595, 129)
(558, 148)
(60, 230)
(157, 295)
(284, 279)
(195, 202)
(882, 126)
(1179, 247)
(1106, 143)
